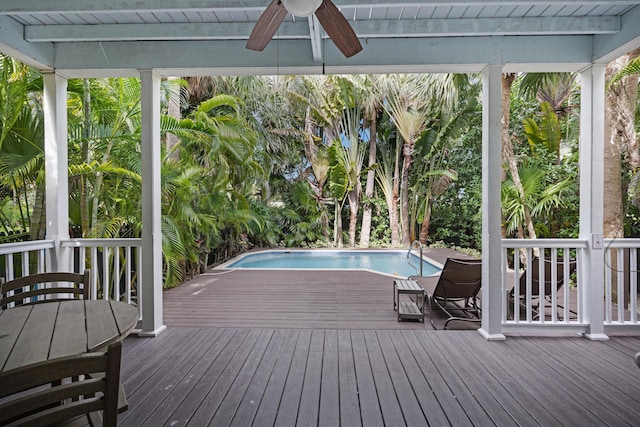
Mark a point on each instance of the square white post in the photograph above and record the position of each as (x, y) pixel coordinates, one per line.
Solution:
(491, 234)
(151, 281)
(592, 122)
(56, 168)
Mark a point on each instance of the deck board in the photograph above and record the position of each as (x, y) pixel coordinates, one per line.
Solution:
(370, 408)
(288, 377)
(329, 411)
(518, 396)
(310, 396)
(387, 396)
(446, 362)
(250, 348)
(285, 299)
(270, 401)
(348, 409)
(229, 401)
(554, 384)
(247, 404)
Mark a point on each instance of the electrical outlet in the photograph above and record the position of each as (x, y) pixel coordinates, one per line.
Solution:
(598, 241)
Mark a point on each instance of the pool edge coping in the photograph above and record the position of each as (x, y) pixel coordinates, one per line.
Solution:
(225, 265)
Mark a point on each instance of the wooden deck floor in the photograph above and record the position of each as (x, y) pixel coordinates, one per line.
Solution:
(317, 377)
(256, 348)
(292, 299)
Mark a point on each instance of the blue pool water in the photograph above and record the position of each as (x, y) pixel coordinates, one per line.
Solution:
(388, 262)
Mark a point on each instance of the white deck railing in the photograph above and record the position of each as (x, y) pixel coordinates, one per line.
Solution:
(115, 264)
(621, 282)
(24, 258)
(564, 309)
(560, 306)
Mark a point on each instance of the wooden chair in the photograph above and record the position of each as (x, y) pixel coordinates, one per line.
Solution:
(63, 390)
(33, 289)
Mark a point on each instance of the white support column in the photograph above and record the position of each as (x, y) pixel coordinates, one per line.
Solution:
(491, 234)
(151, 292)
(56, 168)
(592, 122)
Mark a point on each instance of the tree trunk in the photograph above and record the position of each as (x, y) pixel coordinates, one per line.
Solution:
(365, 232)
(393, 215)
(353, 216)
(424, 231)
(407, 154)
(620, 139)
(38, 226)
(508, 155)
(337, 225)
(631, 152)
(173, 110)
(85, 225)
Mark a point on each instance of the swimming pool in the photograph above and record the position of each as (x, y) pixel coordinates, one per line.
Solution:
(393, 263)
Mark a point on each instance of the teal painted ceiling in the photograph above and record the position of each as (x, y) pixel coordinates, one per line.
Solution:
(96, 38)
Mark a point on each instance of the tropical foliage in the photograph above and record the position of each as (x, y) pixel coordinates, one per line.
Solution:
(286, 161)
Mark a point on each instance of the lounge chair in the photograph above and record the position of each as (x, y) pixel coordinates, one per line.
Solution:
(455, 290)
(551, 285)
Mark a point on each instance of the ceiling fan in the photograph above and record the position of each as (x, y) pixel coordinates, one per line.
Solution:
(333, 22)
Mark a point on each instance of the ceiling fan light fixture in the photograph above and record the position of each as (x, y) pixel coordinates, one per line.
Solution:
(301, 7)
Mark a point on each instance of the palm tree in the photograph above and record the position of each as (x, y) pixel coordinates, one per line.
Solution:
(432, 150)
(21, 150)
(346, 158)
(541, 197)
(387, 171)
(410, 100)
(370, 101)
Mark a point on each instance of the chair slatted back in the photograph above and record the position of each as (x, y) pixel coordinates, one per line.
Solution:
(36, 288)
(60, 389)
(548, 276)
(460, 278)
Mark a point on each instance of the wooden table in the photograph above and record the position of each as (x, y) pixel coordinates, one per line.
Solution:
(38, 332)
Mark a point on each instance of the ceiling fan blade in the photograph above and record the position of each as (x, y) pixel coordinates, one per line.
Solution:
(338, 28)
(267, 25)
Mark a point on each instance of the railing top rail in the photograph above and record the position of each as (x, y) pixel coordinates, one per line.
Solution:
(622, 243)
(12, 248)
(546, 243)
(76, 243)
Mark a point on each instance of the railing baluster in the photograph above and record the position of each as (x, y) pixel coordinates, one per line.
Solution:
(607, 286)
(94, 271)
(10, 273)
(25, 269)
(116, 273)
(620, 284)
(529, 286)
(139, 281)
(105, 273)
(566, 297)
(633, 285)
(516, 285)
(127, 273)
(505, 302)
(554, 286)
